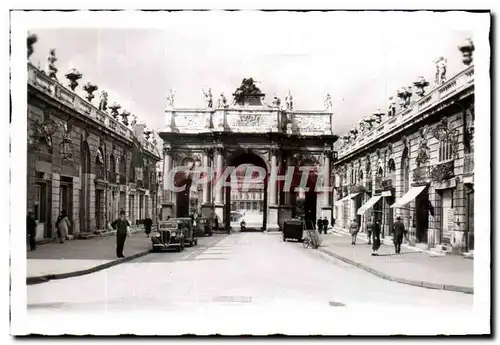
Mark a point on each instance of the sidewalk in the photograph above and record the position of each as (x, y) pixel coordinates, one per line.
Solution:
(443, 272)
(77, 257)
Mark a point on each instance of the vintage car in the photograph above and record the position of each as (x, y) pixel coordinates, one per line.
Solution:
(186, 224)
(203, 227)
(294, 229)
(168, 235)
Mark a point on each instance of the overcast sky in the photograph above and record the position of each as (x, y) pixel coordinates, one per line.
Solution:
(360, 58)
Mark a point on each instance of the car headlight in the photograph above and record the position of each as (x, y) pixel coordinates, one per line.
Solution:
(173, 234)
(157, 234)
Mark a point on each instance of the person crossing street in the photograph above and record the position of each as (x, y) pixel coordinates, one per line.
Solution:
(121, 225)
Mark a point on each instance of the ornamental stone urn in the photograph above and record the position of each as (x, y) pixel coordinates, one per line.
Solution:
(114, 109)
(467, 49)
(73, 76)
(90, 88)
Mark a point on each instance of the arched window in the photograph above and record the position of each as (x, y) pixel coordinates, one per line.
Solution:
(391, 169)
(405, 170)
(360, 176)
(112, 164)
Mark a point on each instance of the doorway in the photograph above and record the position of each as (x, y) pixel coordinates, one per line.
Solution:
(422, 215)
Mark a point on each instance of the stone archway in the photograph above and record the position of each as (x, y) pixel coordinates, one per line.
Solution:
(248, 159)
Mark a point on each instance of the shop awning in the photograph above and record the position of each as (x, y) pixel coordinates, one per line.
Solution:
(386, 193)
(369, 204)
(350, 196)
(409, 196)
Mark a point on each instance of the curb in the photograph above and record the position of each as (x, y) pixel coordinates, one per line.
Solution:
(47, 277)
(422, 284)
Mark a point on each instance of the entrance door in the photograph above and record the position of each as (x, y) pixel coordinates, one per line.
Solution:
(422, 215)
(66, 203)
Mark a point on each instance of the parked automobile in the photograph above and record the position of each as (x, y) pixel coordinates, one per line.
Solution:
(187, 226)
(169, 235)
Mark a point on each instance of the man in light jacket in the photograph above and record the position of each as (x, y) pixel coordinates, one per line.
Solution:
(354, 229)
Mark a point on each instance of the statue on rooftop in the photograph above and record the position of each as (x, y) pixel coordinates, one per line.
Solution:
(51, 67)
(222, 103)
(289, 101)
(171, 98)
(208, 97)
(391, 107)
(103, 101)
(328, 102)
(441, 64)
(248, 93)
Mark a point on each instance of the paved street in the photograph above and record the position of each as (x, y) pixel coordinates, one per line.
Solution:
(242, 268)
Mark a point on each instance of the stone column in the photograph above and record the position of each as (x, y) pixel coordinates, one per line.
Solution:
(207, 209)
(326, 208)
(285, 210)
(218, 189)
(167, 205)
(55, 200)
(272, 219)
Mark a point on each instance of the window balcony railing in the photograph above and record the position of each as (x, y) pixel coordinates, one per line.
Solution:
(443, 171)
(139, 184)
(100, 174)
(356, 188)
(387, 183)
(469, 163)
(44, 157)
(421, 175)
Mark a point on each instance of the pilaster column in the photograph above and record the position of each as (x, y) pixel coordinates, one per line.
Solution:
(167, 166)
(206, 186)
(326, 179)
(272, 219)
(219, 170)
(274, 174)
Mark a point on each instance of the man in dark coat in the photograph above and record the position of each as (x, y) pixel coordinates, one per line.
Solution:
(376, 237)
(320, 225)
(325, 224)
(121, 225)
(31, 230)
(398, 234)
(369, 229)
(148, 223)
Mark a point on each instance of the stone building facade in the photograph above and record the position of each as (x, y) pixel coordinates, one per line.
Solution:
(415, 162)
(82, 159)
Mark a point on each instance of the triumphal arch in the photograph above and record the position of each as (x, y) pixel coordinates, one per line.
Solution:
(248, 130)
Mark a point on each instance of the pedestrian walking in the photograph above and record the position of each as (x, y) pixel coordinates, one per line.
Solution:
(369, 229)
(320, 225)
(62, 226)
(333, 222)
(148, 223)
(354, 229)
(399, 232)
(31, 230)
(376, 237)
(216, 221)
(122, 231)
(325, 224)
